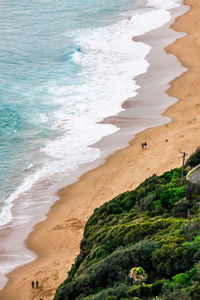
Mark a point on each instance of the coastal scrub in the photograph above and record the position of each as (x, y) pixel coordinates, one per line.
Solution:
(142, 244)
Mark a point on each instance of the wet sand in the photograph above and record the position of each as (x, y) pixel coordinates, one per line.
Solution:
(56, 240)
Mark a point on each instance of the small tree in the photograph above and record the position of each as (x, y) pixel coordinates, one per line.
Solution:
(138, 275)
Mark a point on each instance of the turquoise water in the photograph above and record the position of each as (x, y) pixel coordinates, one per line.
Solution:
(36, 54)
(64, 67)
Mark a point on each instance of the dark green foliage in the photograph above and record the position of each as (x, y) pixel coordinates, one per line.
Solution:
(119, 291)
(140, 291)
(111, 270)
(155, 227)
(181, 208)
(190, 229)
(194, 159)
(149, 181)
(174, 292)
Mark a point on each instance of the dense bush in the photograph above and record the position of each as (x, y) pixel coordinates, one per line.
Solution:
(155, 227)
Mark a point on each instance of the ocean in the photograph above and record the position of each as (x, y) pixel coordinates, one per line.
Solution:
(65, 66)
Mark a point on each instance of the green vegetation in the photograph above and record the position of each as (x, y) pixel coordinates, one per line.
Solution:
(143, 244)
(194, 159)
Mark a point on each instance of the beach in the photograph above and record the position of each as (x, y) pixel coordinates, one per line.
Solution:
(56, 240)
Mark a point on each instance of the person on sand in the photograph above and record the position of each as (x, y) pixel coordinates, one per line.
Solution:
(145, 145)
(36, 284)
(142, 145)
(32, 283)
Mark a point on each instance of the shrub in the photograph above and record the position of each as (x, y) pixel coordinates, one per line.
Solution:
(181, 278)
(146, 203)
(120, 292)
(151, 180)
(140, 291)
(170, 259)
(181, 208)
(157, 287)
(190, 229)
(174, 293)
(138, 275)
(194, 159)
(170, 195)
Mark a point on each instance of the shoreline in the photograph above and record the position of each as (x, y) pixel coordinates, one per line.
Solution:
(108, 180)
(14, 233)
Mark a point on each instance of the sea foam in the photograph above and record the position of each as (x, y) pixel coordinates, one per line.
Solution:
(109, 60)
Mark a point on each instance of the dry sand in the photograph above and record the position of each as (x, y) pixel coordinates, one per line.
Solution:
(56, 240)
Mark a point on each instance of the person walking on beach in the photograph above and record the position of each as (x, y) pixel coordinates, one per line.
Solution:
(142, 145)
(32, 283)
(145, 145)
(36, 284)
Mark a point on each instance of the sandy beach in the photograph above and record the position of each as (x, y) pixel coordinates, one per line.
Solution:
(56, 240)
